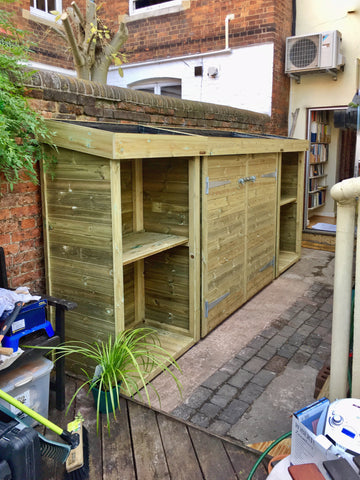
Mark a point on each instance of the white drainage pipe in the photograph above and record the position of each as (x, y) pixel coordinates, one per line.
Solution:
(345, 193)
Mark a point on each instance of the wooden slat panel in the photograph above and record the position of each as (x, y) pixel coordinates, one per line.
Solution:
(178, 450)
(288, 214)
(212, 456)
(167, 287)
(166, 208)
(289, 174)
(148, 450)
(80, 261)
(261, 222)
(61, 222)
(129, 294)
(129, 145)
(223, 238)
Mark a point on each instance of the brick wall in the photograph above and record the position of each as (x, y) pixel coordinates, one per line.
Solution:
(21, 234)
(200, 28)
(61, 97)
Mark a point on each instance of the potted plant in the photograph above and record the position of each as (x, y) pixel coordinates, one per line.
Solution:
(123, 363)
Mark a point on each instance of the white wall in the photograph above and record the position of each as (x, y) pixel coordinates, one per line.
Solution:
(244, 77)
(320, 90)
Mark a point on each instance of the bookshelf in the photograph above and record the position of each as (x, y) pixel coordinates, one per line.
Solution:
(320, 138)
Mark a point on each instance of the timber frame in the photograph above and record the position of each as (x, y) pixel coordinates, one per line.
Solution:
(174, 229)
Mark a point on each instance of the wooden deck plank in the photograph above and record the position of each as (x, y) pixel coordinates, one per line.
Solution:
(149, 455)
(179, 451)
(243, 461)
(147, 444)
(212, 456)
(117, 448)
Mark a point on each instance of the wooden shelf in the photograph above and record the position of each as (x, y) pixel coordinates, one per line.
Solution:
(318, 176)
(286, 259)
(139, 245)
(320, 189)
(285, 200)
(317, 206)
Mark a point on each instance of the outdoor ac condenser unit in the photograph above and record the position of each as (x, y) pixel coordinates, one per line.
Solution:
(314, 52)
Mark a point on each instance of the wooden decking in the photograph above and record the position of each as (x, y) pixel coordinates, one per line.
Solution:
(146, 444)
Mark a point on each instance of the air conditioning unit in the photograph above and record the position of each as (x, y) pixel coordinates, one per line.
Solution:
(314, 52)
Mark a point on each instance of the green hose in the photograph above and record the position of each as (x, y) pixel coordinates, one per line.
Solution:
(263, 455)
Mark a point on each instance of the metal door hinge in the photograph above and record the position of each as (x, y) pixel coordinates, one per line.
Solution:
(270, 175)
(209, 306)
(214, 183)
(269, 264)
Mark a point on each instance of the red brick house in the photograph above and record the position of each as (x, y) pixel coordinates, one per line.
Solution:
(227, 52)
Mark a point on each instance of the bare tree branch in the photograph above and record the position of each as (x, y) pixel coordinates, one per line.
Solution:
(79, 14)
(79, 60)
(103, 61)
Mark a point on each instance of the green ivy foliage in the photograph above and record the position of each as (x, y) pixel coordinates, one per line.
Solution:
(22, 130)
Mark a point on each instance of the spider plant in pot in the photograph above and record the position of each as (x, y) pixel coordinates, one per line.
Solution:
(122, 362)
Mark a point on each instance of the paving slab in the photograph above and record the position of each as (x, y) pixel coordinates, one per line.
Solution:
(248, 376)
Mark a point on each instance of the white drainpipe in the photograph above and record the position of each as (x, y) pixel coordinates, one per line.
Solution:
(229, 17)
(345, 194)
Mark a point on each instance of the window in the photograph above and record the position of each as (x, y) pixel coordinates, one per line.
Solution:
(148, 3)
(170, 87)
(43, 8)
(156, 7)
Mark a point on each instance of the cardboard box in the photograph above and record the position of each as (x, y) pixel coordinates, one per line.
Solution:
(30, 384)
(306, 445)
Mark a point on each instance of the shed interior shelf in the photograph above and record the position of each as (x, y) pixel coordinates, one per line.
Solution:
(139, 245)
(287, 199)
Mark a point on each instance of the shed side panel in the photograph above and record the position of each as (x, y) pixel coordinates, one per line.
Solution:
(79, 242)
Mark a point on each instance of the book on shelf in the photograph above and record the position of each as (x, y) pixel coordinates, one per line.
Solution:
(316, 169)
(317, 198)
(320, 130)
(318, 153)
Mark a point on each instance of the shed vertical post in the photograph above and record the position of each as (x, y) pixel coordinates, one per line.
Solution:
(194, 246)
(115, 179)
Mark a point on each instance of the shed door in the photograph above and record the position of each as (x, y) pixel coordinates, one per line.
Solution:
(223, 238)
(238, 232)
(261, 222)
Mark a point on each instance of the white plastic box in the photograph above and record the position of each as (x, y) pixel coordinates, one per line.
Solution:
(30, 384)
(306, 445)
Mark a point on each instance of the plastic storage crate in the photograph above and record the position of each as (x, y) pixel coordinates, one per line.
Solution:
(30, 319)
(30, 384)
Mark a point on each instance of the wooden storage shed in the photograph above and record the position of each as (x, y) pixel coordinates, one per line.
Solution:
(175, 229)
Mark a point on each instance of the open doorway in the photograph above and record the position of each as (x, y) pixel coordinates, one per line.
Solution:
(331, 158)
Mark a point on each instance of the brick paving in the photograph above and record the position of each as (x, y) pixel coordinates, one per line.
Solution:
(300, 336)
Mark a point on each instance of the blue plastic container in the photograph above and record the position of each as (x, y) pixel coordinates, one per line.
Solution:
(30, 319)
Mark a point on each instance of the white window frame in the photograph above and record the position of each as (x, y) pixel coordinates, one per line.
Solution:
(155, 83)
(46, 15)
(171, 6)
